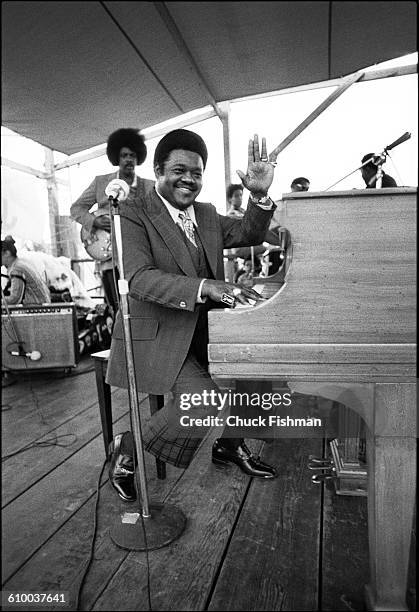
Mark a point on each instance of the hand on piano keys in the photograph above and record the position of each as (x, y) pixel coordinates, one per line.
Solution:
(229, 294)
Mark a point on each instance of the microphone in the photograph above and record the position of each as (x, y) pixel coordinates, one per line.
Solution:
(378, 159)
(117, 189)
(403, 138)
(33, 355)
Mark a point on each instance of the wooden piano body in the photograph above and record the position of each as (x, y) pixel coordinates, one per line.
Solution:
(342, 326)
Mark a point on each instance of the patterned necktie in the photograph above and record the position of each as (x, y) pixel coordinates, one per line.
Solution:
(188, 228)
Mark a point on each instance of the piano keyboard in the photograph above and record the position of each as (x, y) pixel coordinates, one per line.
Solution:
(258, 288)
(266, 290)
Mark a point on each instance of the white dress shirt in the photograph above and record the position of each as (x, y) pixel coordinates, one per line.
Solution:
(174, 213)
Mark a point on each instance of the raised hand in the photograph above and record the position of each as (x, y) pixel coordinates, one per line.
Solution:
(260, 169)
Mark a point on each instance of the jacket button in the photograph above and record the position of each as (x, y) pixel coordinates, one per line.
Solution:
(182, 304)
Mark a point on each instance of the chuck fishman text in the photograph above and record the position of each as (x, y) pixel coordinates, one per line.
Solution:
(260, 421)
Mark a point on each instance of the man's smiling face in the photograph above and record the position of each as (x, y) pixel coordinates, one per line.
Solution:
(180, 180)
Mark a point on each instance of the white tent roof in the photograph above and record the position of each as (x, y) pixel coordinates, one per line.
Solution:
(75, 71)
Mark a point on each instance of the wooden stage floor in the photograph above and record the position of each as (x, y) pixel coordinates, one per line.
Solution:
(250, 545)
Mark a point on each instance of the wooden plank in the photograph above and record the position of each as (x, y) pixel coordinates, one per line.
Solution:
(313, 353)
(182, 574)
(36, 463)
(53, 500)
(43, 408)
(345, 567)
(272, 560)
(61, 560)
(48, 388)
(397, 372)
(59, 402)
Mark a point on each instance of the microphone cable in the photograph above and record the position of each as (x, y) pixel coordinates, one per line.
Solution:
(5, 306)
(44, 443)
(93, 540)
(20, 344)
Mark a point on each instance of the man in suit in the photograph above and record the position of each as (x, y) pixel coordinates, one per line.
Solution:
(126, 149)
(173, 262)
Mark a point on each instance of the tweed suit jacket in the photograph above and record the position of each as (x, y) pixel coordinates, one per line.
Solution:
(163, 284)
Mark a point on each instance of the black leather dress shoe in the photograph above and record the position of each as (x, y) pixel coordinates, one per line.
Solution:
(121, 468)
(242, 457)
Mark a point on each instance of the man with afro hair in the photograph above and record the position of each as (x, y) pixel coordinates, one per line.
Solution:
(126, 149)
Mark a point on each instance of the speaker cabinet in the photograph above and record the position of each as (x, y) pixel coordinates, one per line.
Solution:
(50, 330)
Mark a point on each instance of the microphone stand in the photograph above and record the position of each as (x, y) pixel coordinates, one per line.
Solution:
(379, 174)
(350, 173)
(155, 525)
(382, 158)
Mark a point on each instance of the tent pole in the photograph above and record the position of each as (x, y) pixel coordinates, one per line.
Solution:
(225, 120)
(344, 85)
(52, 201)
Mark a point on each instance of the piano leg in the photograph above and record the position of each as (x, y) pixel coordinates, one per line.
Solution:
(391, 450)
(389, 411)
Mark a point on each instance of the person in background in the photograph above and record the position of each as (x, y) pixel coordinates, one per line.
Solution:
(234, 200)
(125, 149)
(25, 284)
(245, 276)
(369, 173)
(300, 184)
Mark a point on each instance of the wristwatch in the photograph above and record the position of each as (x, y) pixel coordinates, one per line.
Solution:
(263, 200)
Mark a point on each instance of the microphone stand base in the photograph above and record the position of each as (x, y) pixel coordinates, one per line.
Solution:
(164, 525)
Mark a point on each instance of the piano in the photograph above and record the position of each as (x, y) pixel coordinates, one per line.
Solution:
(339, 323)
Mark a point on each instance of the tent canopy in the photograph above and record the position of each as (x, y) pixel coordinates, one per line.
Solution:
(75, 71)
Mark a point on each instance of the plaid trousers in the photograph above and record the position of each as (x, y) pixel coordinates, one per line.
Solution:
(162, 435)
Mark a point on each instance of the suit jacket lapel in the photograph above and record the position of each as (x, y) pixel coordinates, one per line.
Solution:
(162, 221)
(208, 234)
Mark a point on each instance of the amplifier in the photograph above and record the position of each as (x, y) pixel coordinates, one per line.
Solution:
(44, 337)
